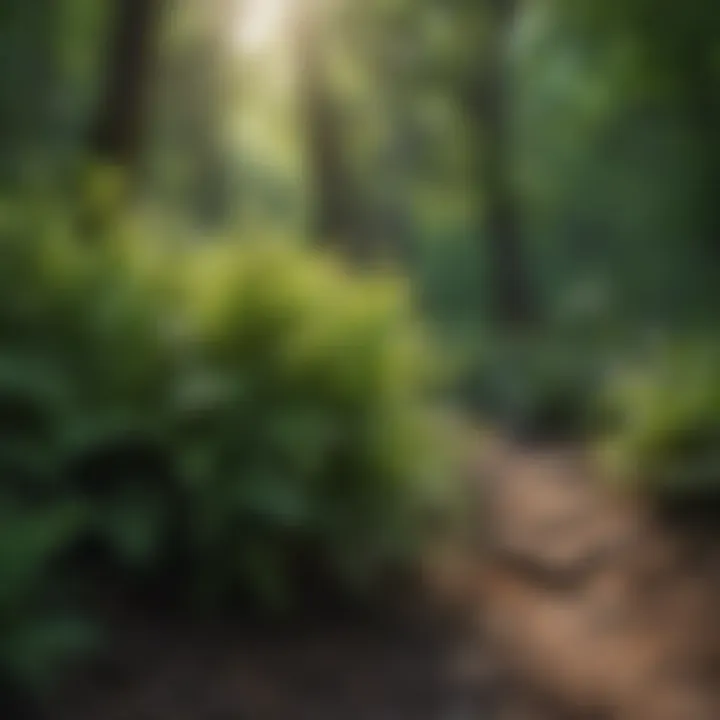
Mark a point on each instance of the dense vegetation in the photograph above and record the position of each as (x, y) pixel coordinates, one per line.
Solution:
(225, 414)
(240, 248)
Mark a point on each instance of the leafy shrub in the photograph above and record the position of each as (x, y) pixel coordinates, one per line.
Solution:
(667, 408)
(39, 630)
(224, 410)
(83, 362)
(312, 426)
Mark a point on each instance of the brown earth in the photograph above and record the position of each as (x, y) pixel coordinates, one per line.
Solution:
(593, 601)
(571, 604)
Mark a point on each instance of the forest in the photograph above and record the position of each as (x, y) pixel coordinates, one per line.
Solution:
(328, 326)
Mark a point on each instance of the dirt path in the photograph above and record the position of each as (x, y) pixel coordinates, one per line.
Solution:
(574, 606)
(591, 602)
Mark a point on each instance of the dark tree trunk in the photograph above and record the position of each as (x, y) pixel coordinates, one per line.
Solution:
(335, 218)
(490, 107)
(117, 133)
(704, 110)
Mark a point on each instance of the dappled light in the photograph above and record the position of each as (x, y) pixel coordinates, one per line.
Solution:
(260, 24)
(359, 360)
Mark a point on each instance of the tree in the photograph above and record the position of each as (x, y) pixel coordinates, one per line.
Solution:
(335, 218)
(489, 106)
(117, 131)
(646, 170)
(198, 93)
(674, 47)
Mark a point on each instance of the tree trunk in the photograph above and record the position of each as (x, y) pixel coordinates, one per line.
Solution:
(335, 219)
(117, 133)
(512, 298)
(704, 111)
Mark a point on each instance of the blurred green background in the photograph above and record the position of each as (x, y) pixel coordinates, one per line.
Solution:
(254, 252)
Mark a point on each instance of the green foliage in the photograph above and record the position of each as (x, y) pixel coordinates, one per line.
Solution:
(217, 411)
(234, 412)
(39, 633)
(539, 388)
(311, 425)
(667, 413)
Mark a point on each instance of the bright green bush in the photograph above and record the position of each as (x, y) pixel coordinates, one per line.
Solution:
(84, 315)
(313, 430)
(234, 413)
(667, 411)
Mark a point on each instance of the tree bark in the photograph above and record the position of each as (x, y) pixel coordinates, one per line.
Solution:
(513, 302)
(704, 115)
(335, 217)
(117, 133)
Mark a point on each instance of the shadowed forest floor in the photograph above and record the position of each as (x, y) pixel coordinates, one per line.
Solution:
(573, 604)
